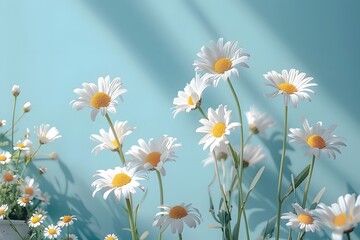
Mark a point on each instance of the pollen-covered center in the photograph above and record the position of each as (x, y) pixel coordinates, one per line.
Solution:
(218, 129)
(8, 177)
(100, 99)
(153, 158)
(316, 141)
(21, 145)
(177, 212)
(190, 101)
(222, 65)
(29, 191)
(305, 218)
(120, 180)
(110, 238)
(2, 158)
(52, 231)
(35, 219)
(2, 211)
(25, 200)
(341, 219)
(67, 219)
(116, 145)
(287, 88)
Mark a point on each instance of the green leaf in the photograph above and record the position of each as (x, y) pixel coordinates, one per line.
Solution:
(317, 198)
(235, 156)
(268, 230)
(298, 180)
(256, 178)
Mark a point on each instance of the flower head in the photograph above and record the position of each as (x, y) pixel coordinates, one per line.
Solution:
(108, 141)
(3, 209)
(318, 140)
(2, 123)
(252, 154)
(15, 90)
(46, 134)
(30, 188)
(27, 107)
(121, 180)
(220, 152)
(24, 145)
(176, 216)
(52, 231)
(216, 126)
(66, 220)
(190, 98)
(24, 201)
(9, 177)
(101, 97)
(154, 155)
(258, 122)
(5, 157)
(71, 237)
(220, 60)
(293, 85)
(36, 220)
(302, 218)
(111, 237)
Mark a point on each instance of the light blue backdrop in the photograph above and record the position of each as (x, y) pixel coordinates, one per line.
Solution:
(50, 48)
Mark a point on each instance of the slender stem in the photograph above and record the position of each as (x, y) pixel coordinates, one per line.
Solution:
(134, 233)
(12, 125)
(161, 197)
(119, 148)
(246, 224)
(180, 236)
(68, 231)
(202, 112)
(13, 227)
(29, 160)
(308, 181)
(281, 175)
(348, 236)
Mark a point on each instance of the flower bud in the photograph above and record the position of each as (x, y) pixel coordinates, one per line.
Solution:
(53, 155)
(42, 170)
(16, 90)
(27, 107)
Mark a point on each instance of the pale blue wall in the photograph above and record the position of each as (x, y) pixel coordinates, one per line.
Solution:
(51, 47)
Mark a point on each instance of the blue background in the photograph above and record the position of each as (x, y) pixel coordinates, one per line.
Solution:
(50, 48)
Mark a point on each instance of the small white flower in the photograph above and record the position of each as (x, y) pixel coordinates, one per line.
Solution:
(190, 98)
(220, 60)
(66, 220)
(15, 90)
(107, 139)
(36, 220)
(318, 140)
(258, 122)
(5, 157)
(46, 134)
(176, 217)
(101, 97)
(111, 237)
(304, 219)
(221, 153)
(27, 107)
(45, 199)
(52, 231)
(154, 155)
(24, 145)
(252, 154)
(24, 201)
(71, 237)
(121, 180)
(9, 177)
(30, 188)
(3, 209)
(2, 123)
(293, 85)
(216, 127)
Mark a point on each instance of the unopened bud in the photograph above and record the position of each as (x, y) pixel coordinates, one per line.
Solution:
(27, 107)
(16, 90)
(42, 170)
(53, 155)
(27, 133)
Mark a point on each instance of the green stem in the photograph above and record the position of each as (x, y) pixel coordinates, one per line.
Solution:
(281, 175)
(13, 227)
(348, 236)
(202, 112)
(246, 224)
(29, 160)
(308, 181)
(12, 125)
(134, 233)
(180, 236)
(161, 197)
(119, 148)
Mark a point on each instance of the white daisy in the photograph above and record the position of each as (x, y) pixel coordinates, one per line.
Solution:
(258, 122)
(66, 220)
(111, 237)
(24, 201)
(46, 134)
(71, 237)
(5, 157)
(216, 127)
(45, 199)
(36, 220)
(24, 145)
(190, 98)
(52, 231)
(2, 123)
(107, 139)
(303, 219)
(221, 153)
(252, 154)
(154, 155)
(30, 188)
(40, 211)
(101, 97)
(219, 61)
(3, 209)
(9, 177)
(341, 217)
(121, 180)
(176, 216)
(318, 140)
(293, 85)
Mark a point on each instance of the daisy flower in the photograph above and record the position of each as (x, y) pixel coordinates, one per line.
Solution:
(101, 97)
(24, 145)
(252, 154)
(220, 152)
(111, 237)
(341, 217)
(3, 209)
(303, 219)
(258, 122)
(30, 188)
(9, 177)
(5, 157)
(121, 180)
(66, 220)
(36, 220)
(318, 140)
(176, 216)
(216, 127)
(190, 98)
(45, 199)
(107, 139)
(154, 155)
(24, 201)
(71, 237)
(52, 231)
(220, 60)
(2, 123)
(46, 134)
(293, 85)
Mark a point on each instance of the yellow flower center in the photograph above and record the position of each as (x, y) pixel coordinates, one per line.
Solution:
(190, 101)
(120, 180)
(177, 212)
(287, 87)
(153, 158)
(305, 218)
(315, 141)
(67, 219)
(52, 231)
(21, 145)
(35, 219)
(25, 200)
(8, 177)
(100, 99)
(2, 158)
(341, 219)
(222, 65)
(110, 238)
(29, 191)
(114, 142)
(218, 129)
(2, 211)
